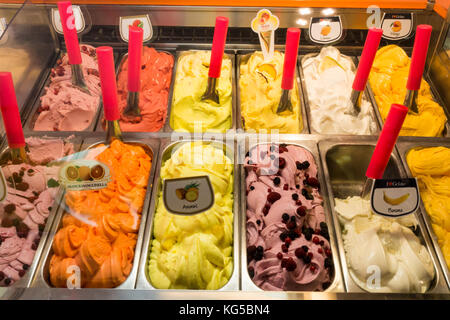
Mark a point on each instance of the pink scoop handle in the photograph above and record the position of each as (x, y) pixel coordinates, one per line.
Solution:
(386, 141)
(136, 35)
(290, 58)
(419, 56)
(108, 83)
(10, 111)
(70, 31)
(218, 47)
(367, 57)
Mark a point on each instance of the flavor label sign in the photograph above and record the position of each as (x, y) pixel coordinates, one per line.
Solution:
(395, 197)
(77, 22)
(397, 26)
(265, 24)
(3, 188)
(325, 30)
(84, 175)
(143, 22)
(187, 196)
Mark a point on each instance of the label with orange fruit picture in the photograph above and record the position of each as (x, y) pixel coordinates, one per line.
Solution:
(84, 174)
(325, 30)
(397, 26)
(143, 22)
(187, 196)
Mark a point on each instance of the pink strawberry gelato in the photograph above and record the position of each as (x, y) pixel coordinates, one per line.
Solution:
(23, 214)
(64, 107)
(287, 237)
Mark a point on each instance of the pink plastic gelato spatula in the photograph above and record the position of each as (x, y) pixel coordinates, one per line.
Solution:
(109, 93)
(384, 147)
(418, 59)
(136, 35)
(11, 118)
(72, 45)
(290, 61)
(215, 65)
(364, 66)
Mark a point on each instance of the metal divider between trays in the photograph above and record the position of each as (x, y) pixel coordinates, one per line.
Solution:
(41, 279)
(167, 146)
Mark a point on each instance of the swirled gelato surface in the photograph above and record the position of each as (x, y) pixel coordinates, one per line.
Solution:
(195, 252)
(431, 166)
(375, 245)
(99, 229)
(31, 191)
(287, 236)
(329, 77)
(260, 90)
(65, 107)
(189, 112)
(388, 79)
(156, 76)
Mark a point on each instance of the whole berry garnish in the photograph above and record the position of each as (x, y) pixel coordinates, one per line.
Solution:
(281, 163)
(251, 272)
(291, 265)
(251, 252)
(299, 253)
(313, 182)
(312, 268)
(295, 196)
(285, 217)
(279, 255)
(276, 181)
(301, 211)
(273, 196)
(284, 248)
(316, 240)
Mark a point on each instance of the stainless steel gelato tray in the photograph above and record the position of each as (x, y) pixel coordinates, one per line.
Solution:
(33, 113)
(345, 164)
(166, 150)
(26, 279)
(243, 57)
(178, 56)
(42, 277)
(336, 284)
(404, 147)
(121, 60)
(302, 60)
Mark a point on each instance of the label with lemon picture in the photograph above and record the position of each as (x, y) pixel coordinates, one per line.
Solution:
(84, 175)
(395, 197)
(187, 196)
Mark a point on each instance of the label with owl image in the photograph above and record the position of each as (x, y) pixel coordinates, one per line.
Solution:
(187, 196)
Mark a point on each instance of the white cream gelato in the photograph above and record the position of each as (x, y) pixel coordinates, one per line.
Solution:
(329, 78)
(374, 244)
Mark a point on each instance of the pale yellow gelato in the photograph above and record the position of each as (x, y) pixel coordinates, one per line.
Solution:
(196, 251)
(189, 113)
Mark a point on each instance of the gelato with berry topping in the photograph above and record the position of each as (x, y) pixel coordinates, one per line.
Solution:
(65, 107)
(287, 236)
(29, 201)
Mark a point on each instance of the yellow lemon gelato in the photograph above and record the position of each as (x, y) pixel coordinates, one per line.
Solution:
(195, 252)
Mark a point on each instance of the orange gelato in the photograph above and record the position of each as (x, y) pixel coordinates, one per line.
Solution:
(99, 230)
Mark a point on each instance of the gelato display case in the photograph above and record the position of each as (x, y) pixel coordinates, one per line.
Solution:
(233, 176)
